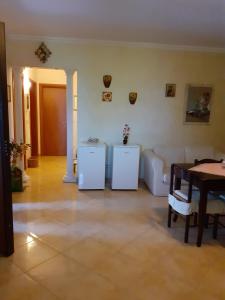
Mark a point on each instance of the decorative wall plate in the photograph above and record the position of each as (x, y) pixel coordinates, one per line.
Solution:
(107, 96)
(132, 97)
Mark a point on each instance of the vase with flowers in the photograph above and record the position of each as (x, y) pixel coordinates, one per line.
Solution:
(16, 153)
(126, 132)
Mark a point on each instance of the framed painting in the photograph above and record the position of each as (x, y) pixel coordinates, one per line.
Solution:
(170, 90)
(198, 104)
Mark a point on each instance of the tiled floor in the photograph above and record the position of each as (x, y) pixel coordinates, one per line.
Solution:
(103, 245)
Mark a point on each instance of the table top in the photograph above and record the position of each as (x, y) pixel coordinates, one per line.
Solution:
(202, 172)
(211, 168)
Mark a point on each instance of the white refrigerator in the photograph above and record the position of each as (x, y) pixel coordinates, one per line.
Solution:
(91, 166)
(125, 168)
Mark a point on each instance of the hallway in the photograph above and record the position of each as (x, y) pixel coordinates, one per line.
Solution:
(103, 245)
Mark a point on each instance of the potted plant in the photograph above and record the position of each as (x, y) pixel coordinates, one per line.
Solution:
(16, 152)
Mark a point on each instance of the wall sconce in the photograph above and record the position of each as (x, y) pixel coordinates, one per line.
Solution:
(43, 52)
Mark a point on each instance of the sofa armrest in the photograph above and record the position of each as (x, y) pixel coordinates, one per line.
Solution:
(153, 170)
(154, 161)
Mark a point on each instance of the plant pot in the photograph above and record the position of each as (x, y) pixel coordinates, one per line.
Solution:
(16, 180)
(125, 140)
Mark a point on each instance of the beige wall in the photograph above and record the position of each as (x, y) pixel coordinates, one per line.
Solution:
(154, 119)
(50, 76)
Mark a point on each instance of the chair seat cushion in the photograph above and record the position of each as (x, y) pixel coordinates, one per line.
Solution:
(214, 205)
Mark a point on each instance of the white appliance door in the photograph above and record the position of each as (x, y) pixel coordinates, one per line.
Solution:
(125, 168)
(91, 162)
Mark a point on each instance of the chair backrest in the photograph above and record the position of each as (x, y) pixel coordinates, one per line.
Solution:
(184, 198)
(207, 161)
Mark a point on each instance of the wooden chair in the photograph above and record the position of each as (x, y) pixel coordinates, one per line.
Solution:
(180, 203)
(216, 217)
(185, 202)
(209, 161)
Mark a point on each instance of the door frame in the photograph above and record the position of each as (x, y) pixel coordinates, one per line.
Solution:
(41, 87)
(34, 120)
(6, 214)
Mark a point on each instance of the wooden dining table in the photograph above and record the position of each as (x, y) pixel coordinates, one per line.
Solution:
(207, 178)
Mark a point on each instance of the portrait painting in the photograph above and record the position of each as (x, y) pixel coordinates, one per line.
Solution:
(170, 90)
(198, 104)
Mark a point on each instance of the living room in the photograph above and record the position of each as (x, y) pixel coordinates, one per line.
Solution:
(110, 244)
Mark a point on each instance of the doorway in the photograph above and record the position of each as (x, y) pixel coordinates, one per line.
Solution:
(53, 119)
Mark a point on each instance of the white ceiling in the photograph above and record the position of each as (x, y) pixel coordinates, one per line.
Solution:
(175, 22)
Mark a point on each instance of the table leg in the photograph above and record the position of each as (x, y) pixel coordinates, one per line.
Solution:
(169, 215)
(187, 225)
(202, 213)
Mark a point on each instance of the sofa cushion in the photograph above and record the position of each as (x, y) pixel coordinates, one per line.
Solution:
(198, 152)
(170, 154)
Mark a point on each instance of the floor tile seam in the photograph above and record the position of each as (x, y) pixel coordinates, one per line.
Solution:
(12, 279)
(41, 241)
(88, 268)
(115, 285)
(42, 285)
(75, 243)
(14, 276)
(24, 272)
(50, 246)
(91, 268)
(117, 251)
(70, 257)
(34, 280)
(19, 246)
(124, 230)
(119, 286)
(69, 247)
(37, 265)
(131, 241)
(132, 257)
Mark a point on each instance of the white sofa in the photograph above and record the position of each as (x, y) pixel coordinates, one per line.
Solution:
(157, 163)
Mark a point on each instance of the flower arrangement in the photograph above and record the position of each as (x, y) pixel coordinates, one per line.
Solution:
(126, 132)
(17, 150)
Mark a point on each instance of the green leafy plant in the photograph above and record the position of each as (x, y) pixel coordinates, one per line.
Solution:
(17, 151)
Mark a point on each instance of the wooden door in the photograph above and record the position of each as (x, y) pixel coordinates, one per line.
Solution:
(53, 119)
(33, 119)
(6, 217)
